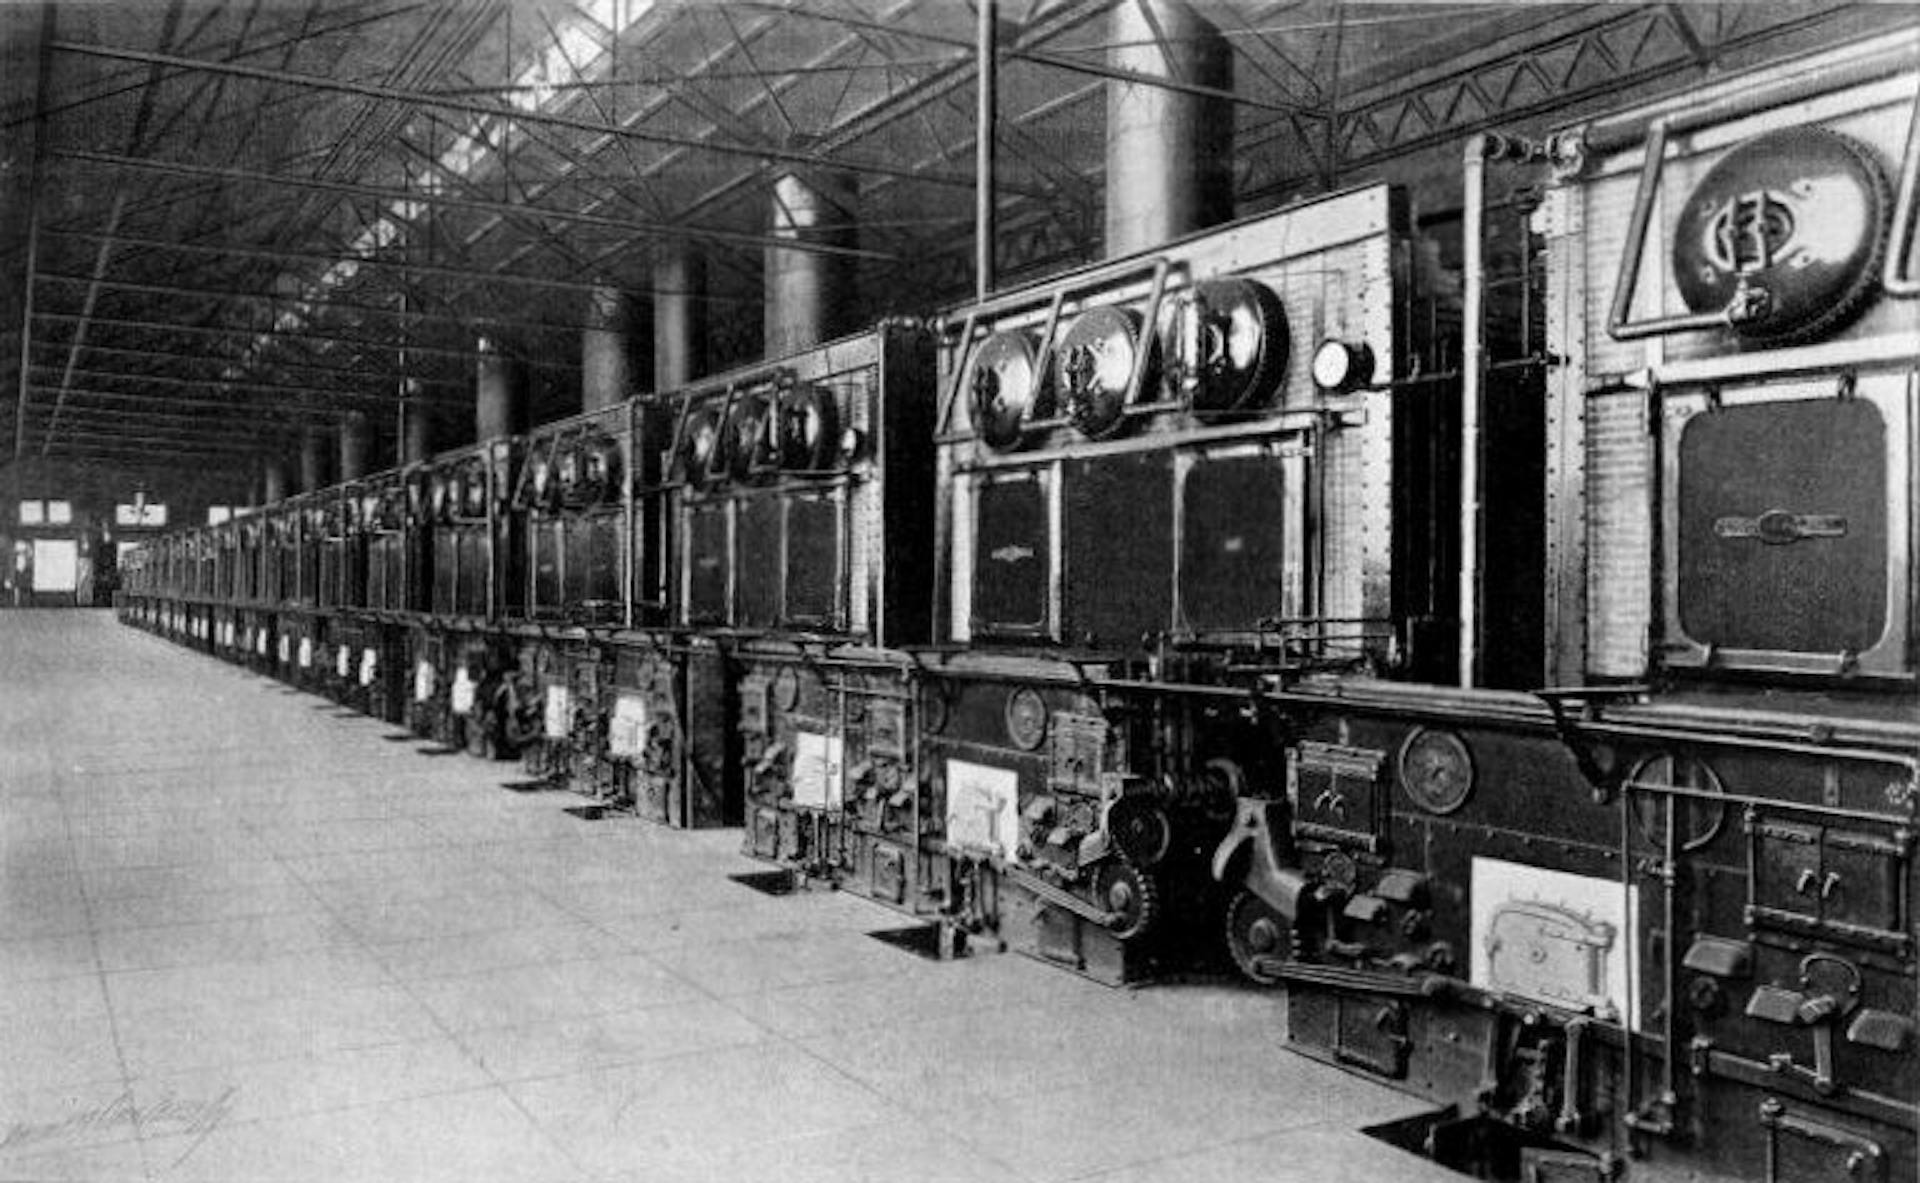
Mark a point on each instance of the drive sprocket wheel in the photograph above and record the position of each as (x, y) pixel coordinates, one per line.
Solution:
(1130, 893)
(1141, 829)
(1258, 938)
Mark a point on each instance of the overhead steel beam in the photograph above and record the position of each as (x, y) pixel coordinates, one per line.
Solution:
(1041, 57)
(99, 421)
(166, 355)
(417, 98)
(291, 256)
(240, 385)
(132, 87)
(79, 339)
(149, 414)
(160, 326)
(126, 446)
(139, 406)
(933, 88)
(509, 209)
(319, 304)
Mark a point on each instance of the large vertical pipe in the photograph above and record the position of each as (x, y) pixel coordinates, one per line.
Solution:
(679, 317)
(1169, 153)
(356, 440)
(986, 125)
(416, 424)
(606, 349)
(499, 391)
(1472, 400)
(807, 291)
(313, 460)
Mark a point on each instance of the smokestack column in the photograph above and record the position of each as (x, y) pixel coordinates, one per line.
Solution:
(1169, 152)
(807, 291)
(679, 317)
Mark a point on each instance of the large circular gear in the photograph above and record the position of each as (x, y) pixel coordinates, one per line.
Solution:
(1130, 893)
(1141, 829)
(1258, 938)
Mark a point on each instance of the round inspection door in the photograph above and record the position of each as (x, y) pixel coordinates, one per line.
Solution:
(748, 450)
(699, 460)
(569, 472)
(809, 429)
(1094, 368)
(545, 486)
(1003, 390)
(600, 465)
(1225, 346)
(1786, 233)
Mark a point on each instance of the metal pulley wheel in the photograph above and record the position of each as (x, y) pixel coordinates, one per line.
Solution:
(1129, 893)
(809, 428)
(600, 464)
(748, 448)
(1140, 827)
(1259, 939)
(1003, 390)
(1224, 346)
(1786, 234)
(699, 448)
(1094, 368)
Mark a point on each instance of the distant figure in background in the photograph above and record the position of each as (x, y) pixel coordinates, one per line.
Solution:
(83, 574)
(20, 572)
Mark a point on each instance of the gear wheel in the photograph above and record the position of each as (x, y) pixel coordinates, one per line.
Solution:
(1141, 829)
(1126, 890)
(1258, 937)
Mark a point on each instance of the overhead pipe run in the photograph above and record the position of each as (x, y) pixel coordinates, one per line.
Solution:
(807, 292)
(679, 317)
(1169, 153)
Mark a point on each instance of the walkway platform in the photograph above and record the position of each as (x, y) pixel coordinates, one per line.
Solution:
(247, 936)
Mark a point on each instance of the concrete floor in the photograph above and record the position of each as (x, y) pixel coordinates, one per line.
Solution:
(243, 936)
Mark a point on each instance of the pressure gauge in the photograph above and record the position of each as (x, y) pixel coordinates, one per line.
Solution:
(1026, 717)
(1436, 770)
(1339, 367)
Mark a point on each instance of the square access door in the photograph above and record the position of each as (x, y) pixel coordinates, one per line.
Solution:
(1787, 522)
